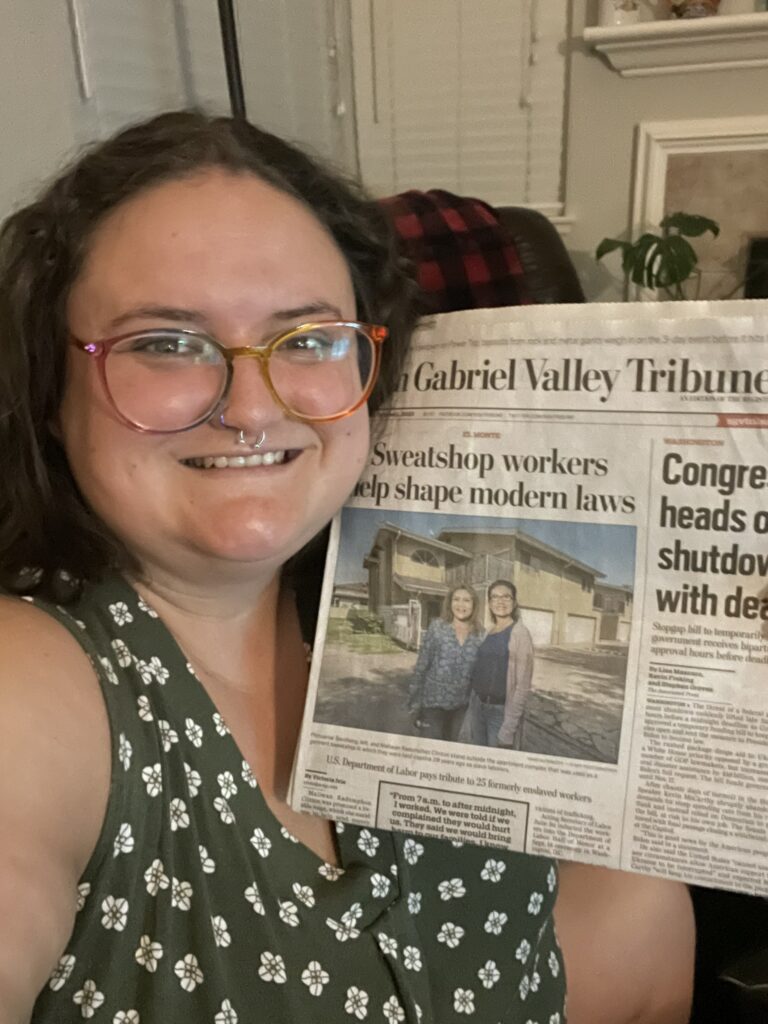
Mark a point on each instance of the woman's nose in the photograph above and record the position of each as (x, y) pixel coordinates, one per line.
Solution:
(250, 403)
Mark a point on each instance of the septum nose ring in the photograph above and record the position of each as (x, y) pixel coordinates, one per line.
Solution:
(241, 435)
(242, 439)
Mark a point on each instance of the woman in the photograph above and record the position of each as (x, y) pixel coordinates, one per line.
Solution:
(183, 388)
(440, 682)
(501, 674)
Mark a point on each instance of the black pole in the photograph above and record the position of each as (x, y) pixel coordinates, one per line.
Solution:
(232, 58)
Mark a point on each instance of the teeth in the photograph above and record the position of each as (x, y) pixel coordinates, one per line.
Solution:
(237, 461)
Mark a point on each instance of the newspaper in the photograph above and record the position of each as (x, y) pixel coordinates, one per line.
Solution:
(612, 462)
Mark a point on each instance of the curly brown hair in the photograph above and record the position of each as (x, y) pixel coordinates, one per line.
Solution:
(45, 525)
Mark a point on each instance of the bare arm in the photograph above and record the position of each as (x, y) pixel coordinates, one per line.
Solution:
(519, 678)
(54, 782)
(628, 943)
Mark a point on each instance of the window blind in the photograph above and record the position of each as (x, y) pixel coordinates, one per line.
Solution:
(466, 95)
(139, 58)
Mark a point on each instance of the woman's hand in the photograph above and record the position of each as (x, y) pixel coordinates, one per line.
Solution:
(628, 944)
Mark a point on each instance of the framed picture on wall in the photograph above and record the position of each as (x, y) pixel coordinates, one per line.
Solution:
(718, 168)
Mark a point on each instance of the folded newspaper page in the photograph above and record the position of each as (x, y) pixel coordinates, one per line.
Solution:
(544, 621)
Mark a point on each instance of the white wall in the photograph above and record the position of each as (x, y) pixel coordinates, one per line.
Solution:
(604, 112)
(37, 86)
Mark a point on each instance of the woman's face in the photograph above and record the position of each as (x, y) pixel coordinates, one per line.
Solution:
(233, 257)
(462, 605)
(501, 602)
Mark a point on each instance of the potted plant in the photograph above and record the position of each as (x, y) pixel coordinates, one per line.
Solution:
(662, 262)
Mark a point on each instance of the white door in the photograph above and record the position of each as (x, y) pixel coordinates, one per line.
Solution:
(540, 625)
(579, 629)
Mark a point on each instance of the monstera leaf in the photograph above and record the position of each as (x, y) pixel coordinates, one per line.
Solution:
(662, 261)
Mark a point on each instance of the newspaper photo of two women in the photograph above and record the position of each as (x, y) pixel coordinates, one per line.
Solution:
(510, 634)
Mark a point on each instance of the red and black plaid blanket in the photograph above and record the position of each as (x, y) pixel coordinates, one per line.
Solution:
(464, 258)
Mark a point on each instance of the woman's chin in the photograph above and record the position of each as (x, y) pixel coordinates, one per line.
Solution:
(252, 539)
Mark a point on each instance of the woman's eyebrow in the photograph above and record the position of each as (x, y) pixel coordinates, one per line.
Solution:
(197, 317)
(157, 312)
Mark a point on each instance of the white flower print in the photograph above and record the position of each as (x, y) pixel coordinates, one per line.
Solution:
(149, 954)
(194, 781)
(380, 885)
(145, 708)
(272, 968)
(226, 1014)
(412, 850)
(225, 812)
(227, 784)
(168, 736)
(253, 896)
(357, 1003)
(367, 842)
(144, 607)
(156, 878)
(354, 913)
(414, 902)
(152, 777)
(207, 862)
(120, 613)
(554, 964)
(554, 1018)
(88, 998)
(287, 835)
(123, 842)
(451, 934)
(158, 670)
(115, 913)
(524, 987)
(83, 891)
(126, 1017)
(145, 671)
(62, 972)
(123, 655)
(535, 981)
(464, 1000)
(418, 1010)
(109, 671)
(330, 872)
(344, 929)
(261, 843)
(523, 951)
(247, 775)
(181, 894)
(289, 913)
(457, 844)
(493, 870)
(412, 958)
(339, 826)
(221, 934)
(495, 922)
(535, 902)
(393, 1011)
(315, 978)
(194, 732)
(187, 970)
(304, 894)
(124, 751)
(220, 725)
(489, 974)
(551, 879)
(451, 889)
(178, 814)
(387, 945)
(393, 870)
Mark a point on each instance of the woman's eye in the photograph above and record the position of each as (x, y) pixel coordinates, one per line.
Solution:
(161, 345)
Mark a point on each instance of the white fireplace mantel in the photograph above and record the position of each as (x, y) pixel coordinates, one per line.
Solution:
(685, 45)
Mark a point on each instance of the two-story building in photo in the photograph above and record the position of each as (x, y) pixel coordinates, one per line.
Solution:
(563, 600)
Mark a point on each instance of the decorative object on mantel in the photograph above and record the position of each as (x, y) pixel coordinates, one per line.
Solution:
(662, 262)
(619, 12)
(693, 8)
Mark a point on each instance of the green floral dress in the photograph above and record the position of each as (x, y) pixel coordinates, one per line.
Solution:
(197, 907)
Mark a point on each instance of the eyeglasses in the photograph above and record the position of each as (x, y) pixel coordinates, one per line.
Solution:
(501, 597)
(167, 380)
